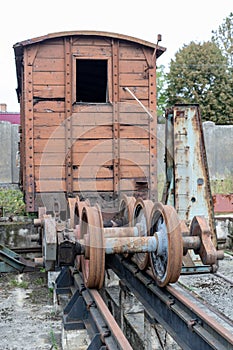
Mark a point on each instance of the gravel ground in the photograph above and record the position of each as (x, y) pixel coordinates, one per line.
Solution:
(213, 289)
(30, 320)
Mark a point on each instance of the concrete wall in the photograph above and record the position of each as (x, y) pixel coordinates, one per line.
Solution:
(9, 138)
(219, 149)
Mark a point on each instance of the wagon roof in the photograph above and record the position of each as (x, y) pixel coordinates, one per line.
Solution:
(18, 46)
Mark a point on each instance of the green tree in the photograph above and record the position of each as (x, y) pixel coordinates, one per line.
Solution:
(161, 92)
(223, 38)
(199, 74)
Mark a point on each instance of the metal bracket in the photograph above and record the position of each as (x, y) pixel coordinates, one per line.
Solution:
(12, 261)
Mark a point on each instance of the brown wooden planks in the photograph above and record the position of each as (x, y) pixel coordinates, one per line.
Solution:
(86, 146)
(90, 41)
(129, 66)
(78, 132)
(48, 78)
(58, 159)
(48, 119)
(49, 107)
(89, 132)
(136, 79)
(105, 118)
(45, 64)
(91, 186)
(90, 127)
(92, 51)
(140, 92)
(131, 52)
(49, 91)
(51, 50)
(87, 172)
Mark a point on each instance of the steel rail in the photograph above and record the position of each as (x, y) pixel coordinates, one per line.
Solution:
(86, 309)
(27, 250)
(192, 325)
(110, 321)
(227, 279)
(10, 259)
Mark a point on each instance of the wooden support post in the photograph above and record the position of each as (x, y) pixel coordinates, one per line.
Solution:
(153, 187)
(68, 118)
(116, 126)
(29, 183)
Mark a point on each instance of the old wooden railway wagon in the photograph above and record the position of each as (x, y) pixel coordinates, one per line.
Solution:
(88, 117)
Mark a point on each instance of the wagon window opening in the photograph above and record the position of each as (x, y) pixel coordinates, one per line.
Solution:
(91, 81)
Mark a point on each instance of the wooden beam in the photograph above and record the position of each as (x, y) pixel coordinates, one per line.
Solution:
(116, 127)
(29, 57)
(153, 188)
(68, 118)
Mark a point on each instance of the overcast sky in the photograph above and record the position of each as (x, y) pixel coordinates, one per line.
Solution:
(179, 22)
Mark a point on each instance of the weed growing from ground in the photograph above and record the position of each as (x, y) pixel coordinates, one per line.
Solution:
(12, 203)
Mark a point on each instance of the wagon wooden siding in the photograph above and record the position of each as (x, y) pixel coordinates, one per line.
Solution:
(90, 148)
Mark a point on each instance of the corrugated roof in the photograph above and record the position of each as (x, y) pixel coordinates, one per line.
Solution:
(13, 118)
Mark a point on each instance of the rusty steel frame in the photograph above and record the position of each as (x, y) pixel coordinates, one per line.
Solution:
(87, 310)
(177, 311)
(187, 185)
(187, 177)
(191, 324)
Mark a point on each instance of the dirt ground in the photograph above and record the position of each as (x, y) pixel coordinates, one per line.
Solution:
(29, 319)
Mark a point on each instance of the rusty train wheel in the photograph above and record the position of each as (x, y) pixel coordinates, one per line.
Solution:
(93, 262)
(78, 210)
(141, 215)
(77, 227)
(126, 209)
(166, 266)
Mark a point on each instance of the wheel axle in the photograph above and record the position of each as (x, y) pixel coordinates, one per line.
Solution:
(152, 237)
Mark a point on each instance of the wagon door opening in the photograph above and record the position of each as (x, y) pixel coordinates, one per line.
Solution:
(91, 81)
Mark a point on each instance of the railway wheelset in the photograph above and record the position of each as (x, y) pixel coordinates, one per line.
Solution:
(149, 234)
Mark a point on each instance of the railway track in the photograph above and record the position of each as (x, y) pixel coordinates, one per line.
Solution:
(190, 321)
(86, 309)
(225, 278)
(214, 289)
(182, 311)
(27, 250)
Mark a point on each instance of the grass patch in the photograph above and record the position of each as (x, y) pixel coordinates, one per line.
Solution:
(222, 185)
(40, 281)
(53, 340)
(19, 284)
(12, 203)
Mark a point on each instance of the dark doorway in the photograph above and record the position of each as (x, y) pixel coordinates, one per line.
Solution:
(91, 81)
